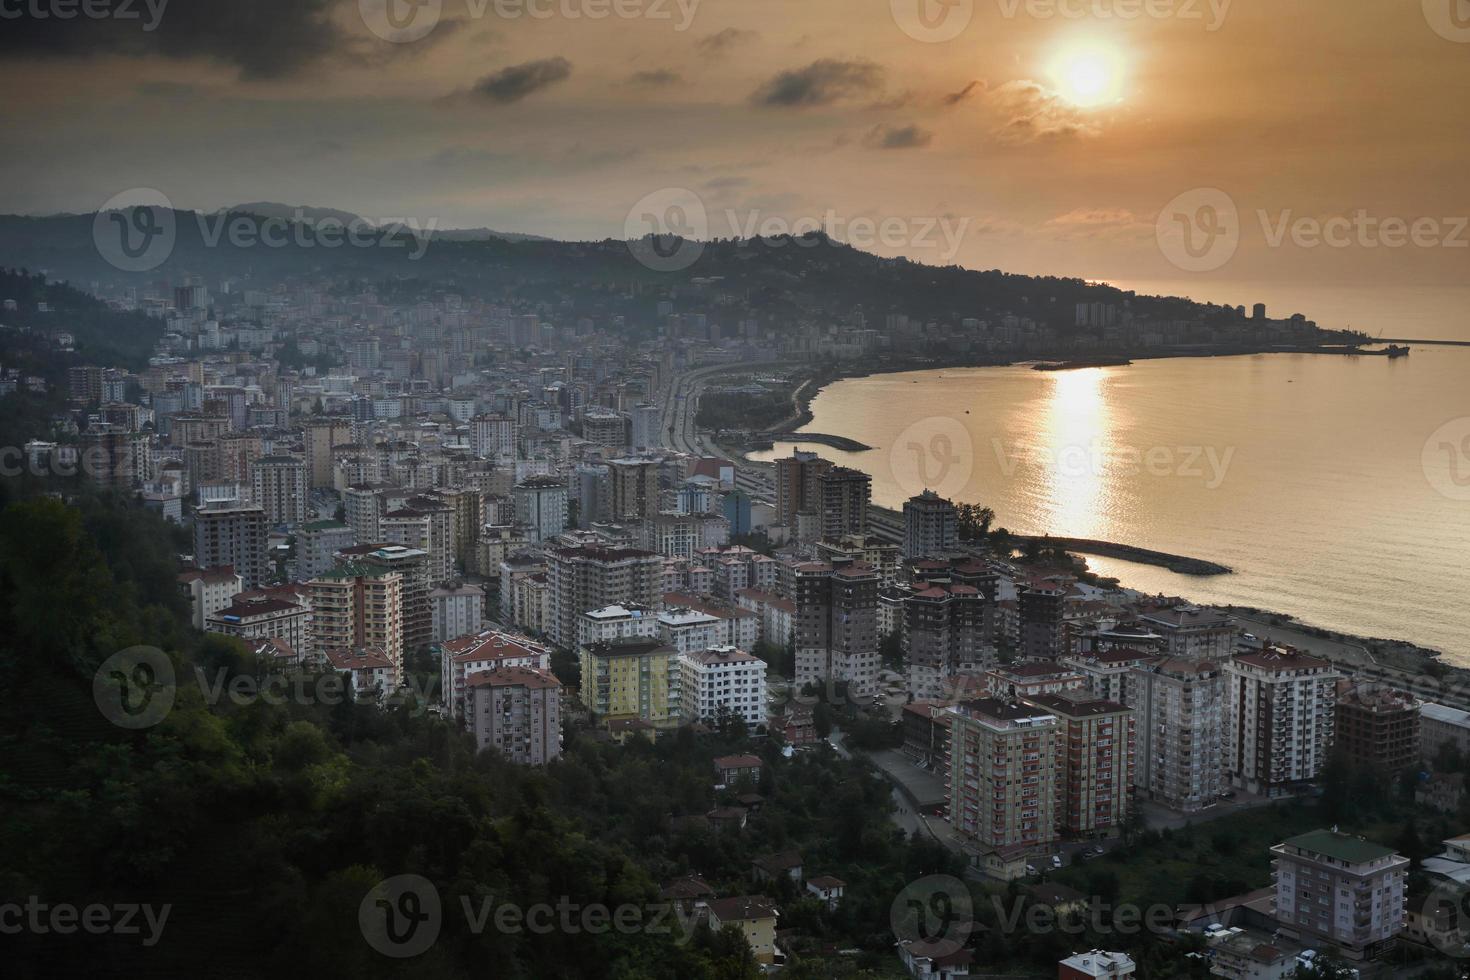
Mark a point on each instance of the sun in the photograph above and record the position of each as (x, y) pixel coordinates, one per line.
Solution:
(1088, 75)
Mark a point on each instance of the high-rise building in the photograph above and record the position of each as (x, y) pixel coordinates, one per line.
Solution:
(1041, 607)
(837, 624)
(1181, 733)
(606, 429)
(356, 607)
(1003, 768)
(723, 681)
(942, 630)
(493, 435)
(632, 678)
(632, 489)
(929, 526)
(1341, 891)
(278, 483)
(517, 712)
(320, 436)
(845, 494)
(798, 486)
(1379, 728)
(582, 579)
(417, 617)
(1280, 716)
(233, 534)
(1192, 631)
(457, 609)
(541, 506)
(316, 545)
(645, 429)
(1098, 749)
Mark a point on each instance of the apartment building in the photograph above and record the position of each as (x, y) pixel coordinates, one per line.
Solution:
(371, 673)
(723, 681)
(279, 484)
(209, 590)
(1441, 725)
(233, 534)
(836, 625)
(1041, 616)
(1280, 719)
(777, 614)
(1005, 758)
(798, 485)
(488, 650)
(632, 678)
(1379, 727)
(357, 606)
(1106, 673)
(413, 563)
(930, 527)
(942, 630)
(734, 625)
(1099, 742)
(262, 616)
(541, 506)
(1025, 680)
(1343, 891)
(516, 711)
(317, 544)
(456, 609)
(845, 495)
(615, 622)
(1181, 734)
(632, 488)
(321, 435)
(592, 578)
(1191, 632)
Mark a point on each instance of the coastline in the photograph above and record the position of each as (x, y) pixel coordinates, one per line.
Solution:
(1422, 670)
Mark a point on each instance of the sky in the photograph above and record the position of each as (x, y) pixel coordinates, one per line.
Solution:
(1288, 141)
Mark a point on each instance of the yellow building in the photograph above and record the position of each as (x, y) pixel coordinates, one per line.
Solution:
(632, 677)
(753, 915)
(358, 606)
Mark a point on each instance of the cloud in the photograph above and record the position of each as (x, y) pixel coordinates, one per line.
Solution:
(821, 83)
(655, 78)
(886, 137)
(723, 41)
(518, 81)
(1031, 112)
(955, 98)
(1110, 223)
(262, 38)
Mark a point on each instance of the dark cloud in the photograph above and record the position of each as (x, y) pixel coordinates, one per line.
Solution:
(820, 83)
(955, 98)
(518, 81)
(885, 137)
(261, 38)
(721, 42)
(656, 77)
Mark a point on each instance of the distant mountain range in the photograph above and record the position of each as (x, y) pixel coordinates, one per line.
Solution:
(809, 278)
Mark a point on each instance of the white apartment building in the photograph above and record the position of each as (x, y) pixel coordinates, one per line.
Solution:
(616, 622)
(687, 630)
(210, 590)
(456, 610)
(1181, 735)
(1280, 717)
(1340, 890)
(723, 680)
(488, 650)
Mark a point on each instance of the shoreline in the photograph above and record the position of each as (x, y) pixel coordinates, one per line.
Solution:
(1380, 657)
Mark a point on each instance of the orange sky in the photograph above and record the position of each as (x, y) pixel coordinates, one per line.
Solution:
(758, 111)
